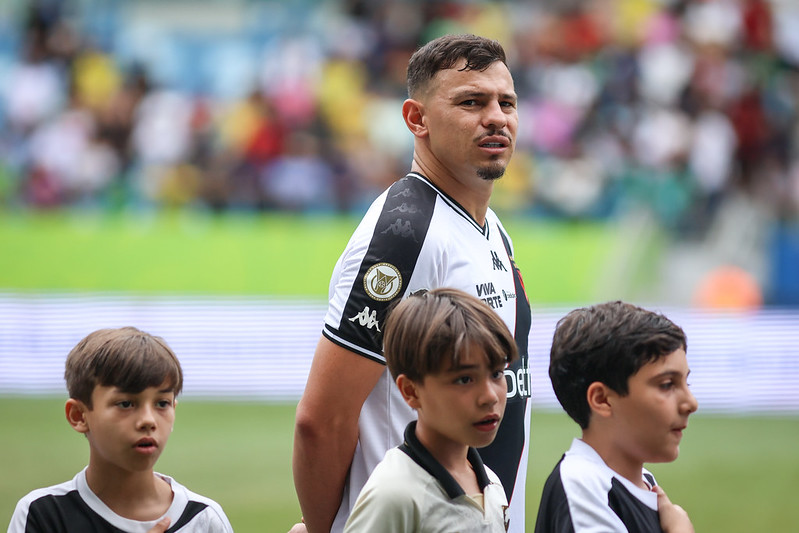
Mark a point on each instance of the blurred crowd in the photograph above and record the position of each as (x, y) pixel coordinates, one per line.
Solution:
(667, 104)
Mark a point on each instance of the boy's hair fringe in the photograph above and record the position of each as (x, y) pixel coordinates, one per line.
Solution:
(126, 358)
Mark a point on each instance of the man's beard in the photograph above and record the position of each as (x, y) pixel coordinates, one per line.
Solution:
(491, 172)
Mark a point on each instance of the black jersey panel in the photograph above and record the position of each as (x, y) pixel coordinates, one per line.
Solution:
(64, 514)
(637, 517)
(192, 509)
(389, 261)
(504, 453)
(553, 512)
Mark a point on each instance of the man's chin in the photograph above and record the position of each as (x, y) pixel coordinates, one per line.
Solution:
(491, 173)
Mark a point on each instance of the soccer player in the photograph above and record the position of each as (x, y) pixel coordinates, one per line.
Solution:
(122, 385)
(431, 228)
(621, 373)
(447, 352)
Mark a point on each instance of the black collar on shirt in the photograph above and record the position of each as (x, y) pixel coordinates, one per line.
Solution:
(416, 451)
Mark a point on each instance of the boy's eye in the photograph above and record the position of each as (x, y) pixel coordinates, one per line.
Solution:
(667, 385)
(463, 380)
(125, 404)
(164, 403)
(498, 374)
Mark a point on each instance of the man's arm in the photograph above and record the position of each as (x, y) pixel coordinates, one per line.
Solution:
(326, 429)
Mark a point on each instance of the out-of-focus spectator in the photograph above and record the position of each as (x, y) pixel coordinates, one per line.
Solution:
(669, 105)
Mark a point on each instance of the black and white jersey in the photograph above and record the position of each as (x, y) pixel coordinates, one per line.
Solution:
(583, 494)
(72, 507)
(415, 237)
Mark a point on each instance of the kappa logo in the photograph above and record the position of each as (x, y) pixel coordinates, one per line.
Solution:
(403, 229)
(405, 208)
(498, 264)
(382, 282)
(406, 193)
(367, 319)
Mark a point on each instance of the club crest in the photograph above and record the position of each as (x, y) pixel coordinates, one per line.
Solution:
(382, 282)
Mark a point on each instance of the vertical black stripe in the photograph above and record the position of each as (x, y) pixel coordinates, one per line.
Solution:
(504, 454)
(398, 238)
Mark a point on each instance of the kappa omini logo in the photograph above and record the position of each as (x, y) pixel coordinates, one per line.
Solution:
(382, 281)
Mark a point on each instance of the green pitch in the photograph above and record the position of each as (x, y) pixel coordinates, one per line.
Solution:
(279, 255)
(735, 474)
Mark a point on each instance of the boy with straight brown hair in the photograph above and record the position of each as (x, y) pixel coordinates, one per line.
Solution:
(123, 384)
(447, 352)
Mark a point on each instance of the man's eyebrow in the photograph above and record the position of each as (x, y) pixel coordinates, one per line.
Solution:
(482, 94)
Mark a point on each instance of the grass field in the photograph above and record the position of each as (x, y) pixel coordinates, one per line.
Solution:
(735, 474)
(280, 255)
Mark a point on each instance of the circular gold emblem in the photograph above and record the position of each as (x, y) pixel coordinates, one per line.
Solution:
(382, 281)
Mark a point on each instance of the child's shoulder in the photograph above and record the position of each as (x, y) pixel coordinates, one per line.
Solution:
(39, 504)
(52, 491)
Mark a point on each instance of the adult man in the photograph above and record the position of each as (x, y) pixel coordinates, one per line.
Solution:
(432, 228)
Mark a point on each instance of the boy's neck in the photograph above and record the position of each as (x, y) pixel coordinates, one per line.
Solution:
(616, 459)
(141, 496)
(452, 456)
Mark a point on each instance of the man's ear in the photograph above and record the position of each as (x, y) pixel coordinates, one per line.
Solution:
(413, 113)
(409, 391)
(75, 411)
(598, 397)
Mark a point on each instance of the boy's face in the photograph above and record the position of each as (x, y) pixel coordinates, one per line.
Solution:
(129, 431)
(652, 416)
(461, 405)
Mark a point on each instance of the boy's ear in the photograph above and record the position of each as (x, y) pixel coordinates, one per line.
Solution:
(408, 389)
(413, 113)
(75, 411)
(598, 397)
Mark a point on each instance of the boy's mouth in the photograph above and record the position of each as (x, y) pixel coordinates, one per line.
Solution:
(488, 423)
(145, 443)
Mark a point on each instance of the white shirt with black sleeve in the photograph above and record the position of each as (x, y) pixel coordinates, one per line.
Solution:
(583, 494)
(72, 507)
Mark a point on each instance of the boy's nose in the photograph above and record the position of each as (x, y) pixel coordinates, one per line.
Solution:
(489, 394)
(691, 404)
(146, 418)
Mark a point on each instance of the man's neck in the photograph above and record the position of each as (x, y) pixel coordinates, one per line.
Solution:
(474, 201)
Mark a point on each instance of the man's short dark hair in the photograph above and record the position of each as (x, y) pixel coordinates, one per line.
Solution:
(444, 52)
(606, 343)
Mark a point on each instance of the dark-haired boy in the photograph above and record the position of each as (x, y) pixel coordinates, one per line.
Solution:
(621, 373)
(122, 385)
